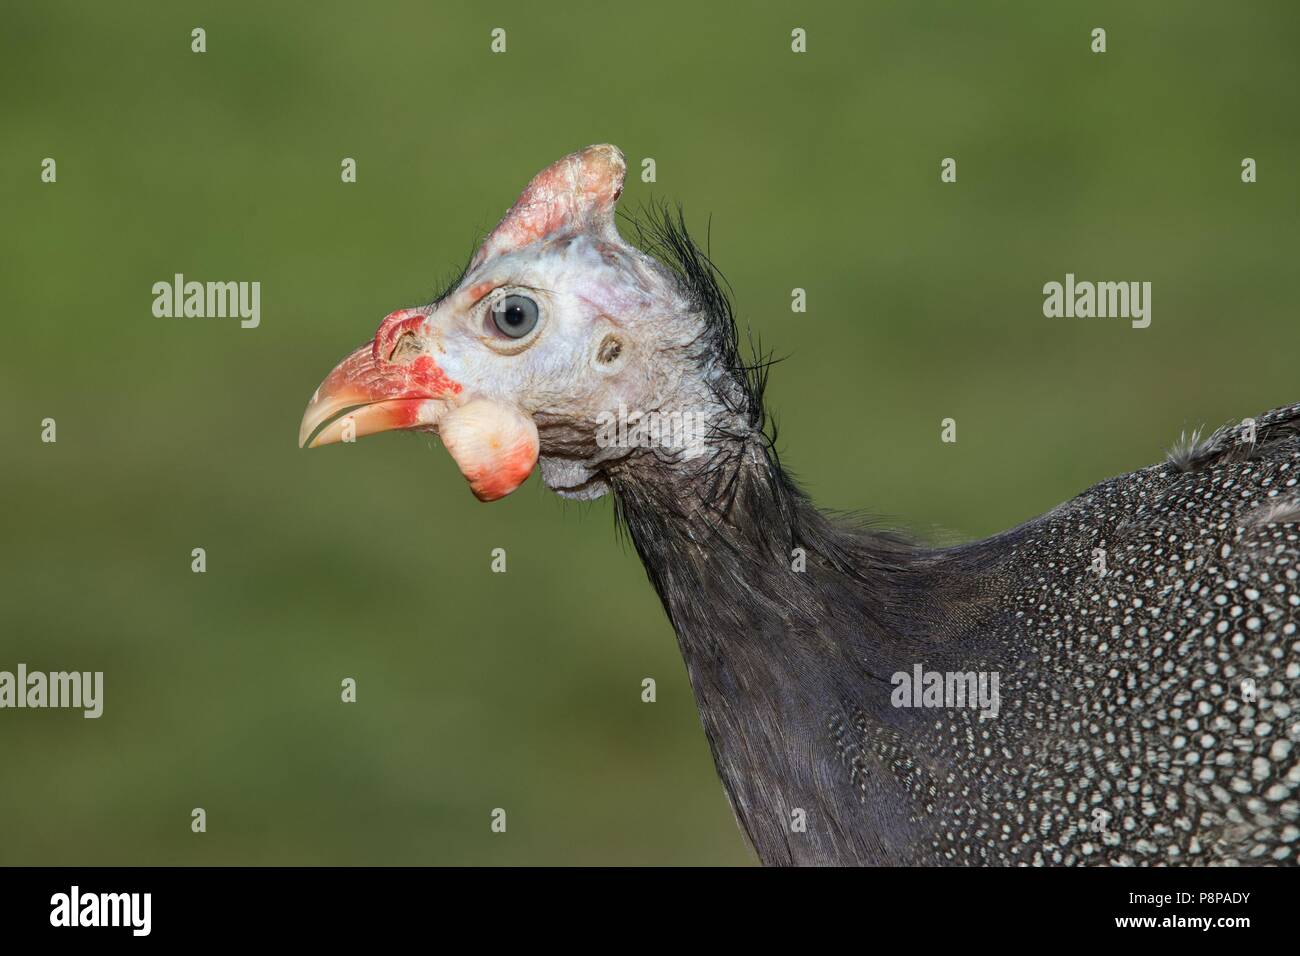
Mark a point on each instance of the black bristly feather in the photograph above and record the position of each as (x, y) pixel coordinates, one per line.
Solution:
(453, 282)
(660, 231)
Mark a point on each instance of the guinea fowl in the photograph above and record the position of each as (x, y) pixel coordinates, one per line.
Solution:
(1139, 641)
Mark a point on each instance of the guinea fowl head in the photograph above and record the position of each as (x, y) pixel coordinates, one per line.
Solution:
(560, 343)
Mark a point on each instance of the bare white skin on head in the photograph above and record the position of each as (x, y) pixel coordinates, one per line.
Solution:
(613, 331)
(608, 335)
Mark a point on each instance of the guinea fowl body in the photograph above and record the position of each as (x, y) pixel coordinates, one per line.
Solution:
(1125, 733)
(1138, 643)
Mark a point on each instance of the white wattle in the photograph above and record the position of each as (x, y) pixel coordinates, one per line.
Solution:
(495, 446)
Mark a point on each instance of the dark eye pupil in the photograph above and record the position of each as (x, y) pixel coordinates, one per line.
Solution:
(515, 315)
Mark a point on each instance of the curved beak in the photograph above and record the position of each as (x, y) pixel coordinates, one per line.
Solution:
(366, 393)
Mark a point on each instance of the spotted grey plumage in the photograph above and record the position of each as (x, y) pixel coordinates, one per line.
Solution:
(1156, 699)
(1147, 713)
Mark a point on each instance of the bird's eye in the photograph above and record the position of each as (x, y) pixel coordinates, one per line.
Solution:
(515, 315)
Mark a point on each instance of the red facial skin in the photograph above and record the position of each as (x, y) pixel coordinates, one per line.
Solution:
(367, 376)
(480, 289)
(393, 394)
(359, 380)
(425, 374)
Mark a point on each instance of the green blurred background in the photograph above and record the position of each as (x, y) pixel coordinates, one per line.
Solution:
(522, 691)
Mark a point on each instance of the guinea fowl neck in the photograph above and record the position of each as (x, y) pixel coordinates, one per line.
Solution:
(741, 559)
(733, 516)
(783, 618)
(737, 553)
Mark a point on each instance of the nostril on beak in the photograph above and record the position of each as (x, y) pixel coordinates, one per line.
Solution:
(406, 344)
(395, 327)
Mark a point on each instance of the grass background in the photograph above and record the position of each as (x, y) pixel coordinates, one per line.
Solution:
(479, 690)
